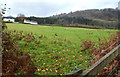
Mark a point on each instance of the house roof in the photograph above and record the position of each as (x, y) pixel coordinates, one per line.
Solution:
(9, 17)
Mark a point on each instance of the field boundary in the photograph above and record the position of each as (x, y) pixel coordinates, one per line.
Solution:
(99, 65)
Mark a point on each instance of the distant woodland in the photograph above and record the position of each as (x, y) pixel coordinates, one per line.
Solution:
(92, 18)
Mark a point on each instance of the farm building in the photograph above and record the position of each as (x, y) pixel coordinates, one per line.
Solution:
(8, 19)
(30, 22)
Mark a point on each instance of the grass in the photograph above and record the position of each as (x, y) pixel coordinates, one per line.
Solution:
(56, 50)
(75, 35)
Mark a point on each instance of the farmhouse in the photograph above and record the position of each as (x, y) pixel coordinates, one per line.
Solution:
(9, 19)
(30, 22)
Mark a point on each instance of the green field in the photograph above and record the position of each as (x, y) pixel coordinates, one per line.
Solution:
(75, 35)
(55, 49)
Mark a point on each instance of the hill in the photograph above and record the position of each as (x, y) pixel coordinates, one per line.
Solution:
(92, 18)
(107, 17)
(107, 14)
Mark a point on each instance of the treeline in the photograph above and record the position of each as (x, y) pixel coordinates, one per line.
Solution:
(108, 14)
(104, 18)
(70, 21)
(47, 20)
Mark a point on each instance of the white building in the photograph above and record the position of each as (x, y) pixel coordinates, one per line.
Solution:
(27, 21)
(9, 19)
(30, 22)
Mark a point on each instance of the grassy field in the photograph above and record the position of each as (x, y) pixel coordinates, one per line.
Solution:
(57, 50)
(75, 35)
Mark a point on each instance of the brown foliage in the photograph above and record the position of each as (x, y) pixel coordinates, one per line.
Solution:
(109, 68)
(87, 45)
(103, 49)
(14, 61)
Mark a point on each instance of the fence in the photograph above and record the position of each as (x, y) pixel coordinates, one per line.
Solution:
(98, 66)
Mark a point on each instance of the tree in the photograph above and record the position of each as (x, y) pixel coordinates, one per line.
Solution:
(3, 9)
(14, 60)
(21, 18)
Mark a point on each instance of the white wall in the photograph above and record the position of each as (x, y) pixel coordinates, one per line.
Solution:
(30, 22)
(8, 20)
(27, 21)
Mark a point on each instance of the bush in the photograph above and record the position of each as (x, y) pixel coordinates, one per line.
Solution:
(15, 61)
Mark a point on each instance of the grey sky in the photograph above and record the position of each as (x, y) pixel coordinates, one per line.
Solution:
(43, 8)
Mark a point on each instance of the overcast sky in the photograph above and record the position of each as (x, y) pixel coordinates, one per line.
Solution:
(44, 8)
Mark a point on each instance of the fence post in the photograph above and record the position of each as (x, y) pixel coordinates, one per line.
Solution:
(0, 44)
(74, 73)
(100, 64)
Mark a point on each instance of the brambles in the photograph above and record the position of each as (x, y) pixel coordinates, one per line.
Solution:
(109, 68)
(103, 49)
(87, 45)
(14, 61)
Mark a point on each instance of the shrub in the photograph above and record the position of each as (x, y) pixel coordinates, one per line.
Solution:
(15, 61)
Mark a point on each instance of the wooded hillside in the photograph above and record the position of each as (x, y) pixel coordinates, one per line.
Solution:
(92, 18)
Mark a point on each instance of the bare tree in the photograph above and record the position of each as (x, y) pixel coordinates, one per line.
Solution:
(21, 17)
(3, 9)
